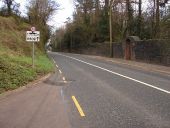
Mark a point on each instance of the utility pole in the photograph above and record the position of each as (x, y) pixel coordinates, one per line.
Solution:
(110, 27)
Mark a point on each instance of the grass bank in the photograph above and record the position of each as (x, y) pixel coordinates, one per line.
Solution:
(16, 71)
(15, 56)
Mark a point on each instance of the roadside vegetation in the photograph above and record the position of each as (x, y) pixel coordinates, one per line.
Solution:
(15, 53)
(90, 24)
(15, 56)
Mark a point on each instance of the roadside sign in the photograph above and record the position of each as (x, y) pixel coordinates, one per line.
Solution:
(33, 29)
(33, 36)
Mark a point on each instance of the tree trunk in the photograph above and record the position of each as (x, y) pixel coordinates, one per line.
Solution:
(157, 26)
(97, 10)
(153, 20)
(107, 4)
(9, 10)
(106, 7)
(9, 3)
(140, 18)
(129, 17)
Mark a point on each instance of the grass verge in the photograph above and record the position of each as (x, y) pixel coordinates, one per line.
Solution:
(15, 56)
(16, 71)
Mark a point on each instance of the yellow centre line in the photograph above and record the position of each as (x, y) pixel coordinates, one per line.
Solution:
(78, 106)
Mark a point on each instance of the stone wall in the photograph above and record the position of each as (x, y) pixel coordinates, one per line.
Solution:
(150, 51)
(153, 51)
(118, 50)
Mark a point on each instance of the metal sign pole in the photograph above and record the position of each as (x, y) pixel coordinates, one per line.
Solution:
(33, 54)
(33, 36)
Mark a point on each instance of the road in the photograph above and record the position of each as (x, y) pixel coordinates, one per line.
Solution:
(90, 93)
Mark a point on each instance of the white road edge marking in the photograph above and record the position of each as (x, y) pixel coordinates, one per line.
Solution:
(64, 79)
(60, 71)
(53, 61)
(138, 81)
(56, 65)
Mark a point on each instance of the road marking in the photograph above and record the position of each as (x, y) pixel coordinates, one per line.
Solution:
(64, 79)
(56, 65)
(118, 74)
(60, 71)
(78, 106)
(53, 60)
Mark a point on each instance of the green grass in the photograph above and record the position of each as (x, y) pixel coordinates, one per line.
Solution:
(15, 56)
(16, 71)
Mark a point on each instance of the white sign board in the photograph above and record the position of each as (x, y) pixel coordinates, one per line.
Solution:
(33, 36)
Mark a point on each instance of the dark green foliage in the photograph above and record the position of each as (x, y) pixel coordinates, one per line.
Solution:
(165, 27)
(103, 27)
(91, 23)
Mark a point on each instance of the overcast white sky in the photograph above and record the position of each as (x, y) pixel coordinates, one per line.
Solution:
(59, 17)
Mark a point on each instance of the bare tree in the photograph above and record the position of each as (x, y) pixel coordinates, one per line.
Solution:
(129, 11)
(9, 3)
(42, 10)
(39, 12)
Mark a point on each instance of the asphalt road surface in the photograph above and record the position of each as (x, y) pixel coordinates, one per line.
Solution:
(90, 93)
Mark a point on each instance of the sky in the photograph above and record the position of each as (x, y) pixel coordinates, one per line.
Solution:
(60, 16)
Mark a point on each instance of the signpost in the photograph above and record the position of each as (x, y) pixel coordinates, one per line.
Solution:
(33, 36)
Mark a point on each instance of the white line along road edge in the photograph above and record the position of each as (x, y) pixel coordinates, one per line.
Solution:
(55, 63)
(138, 81)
